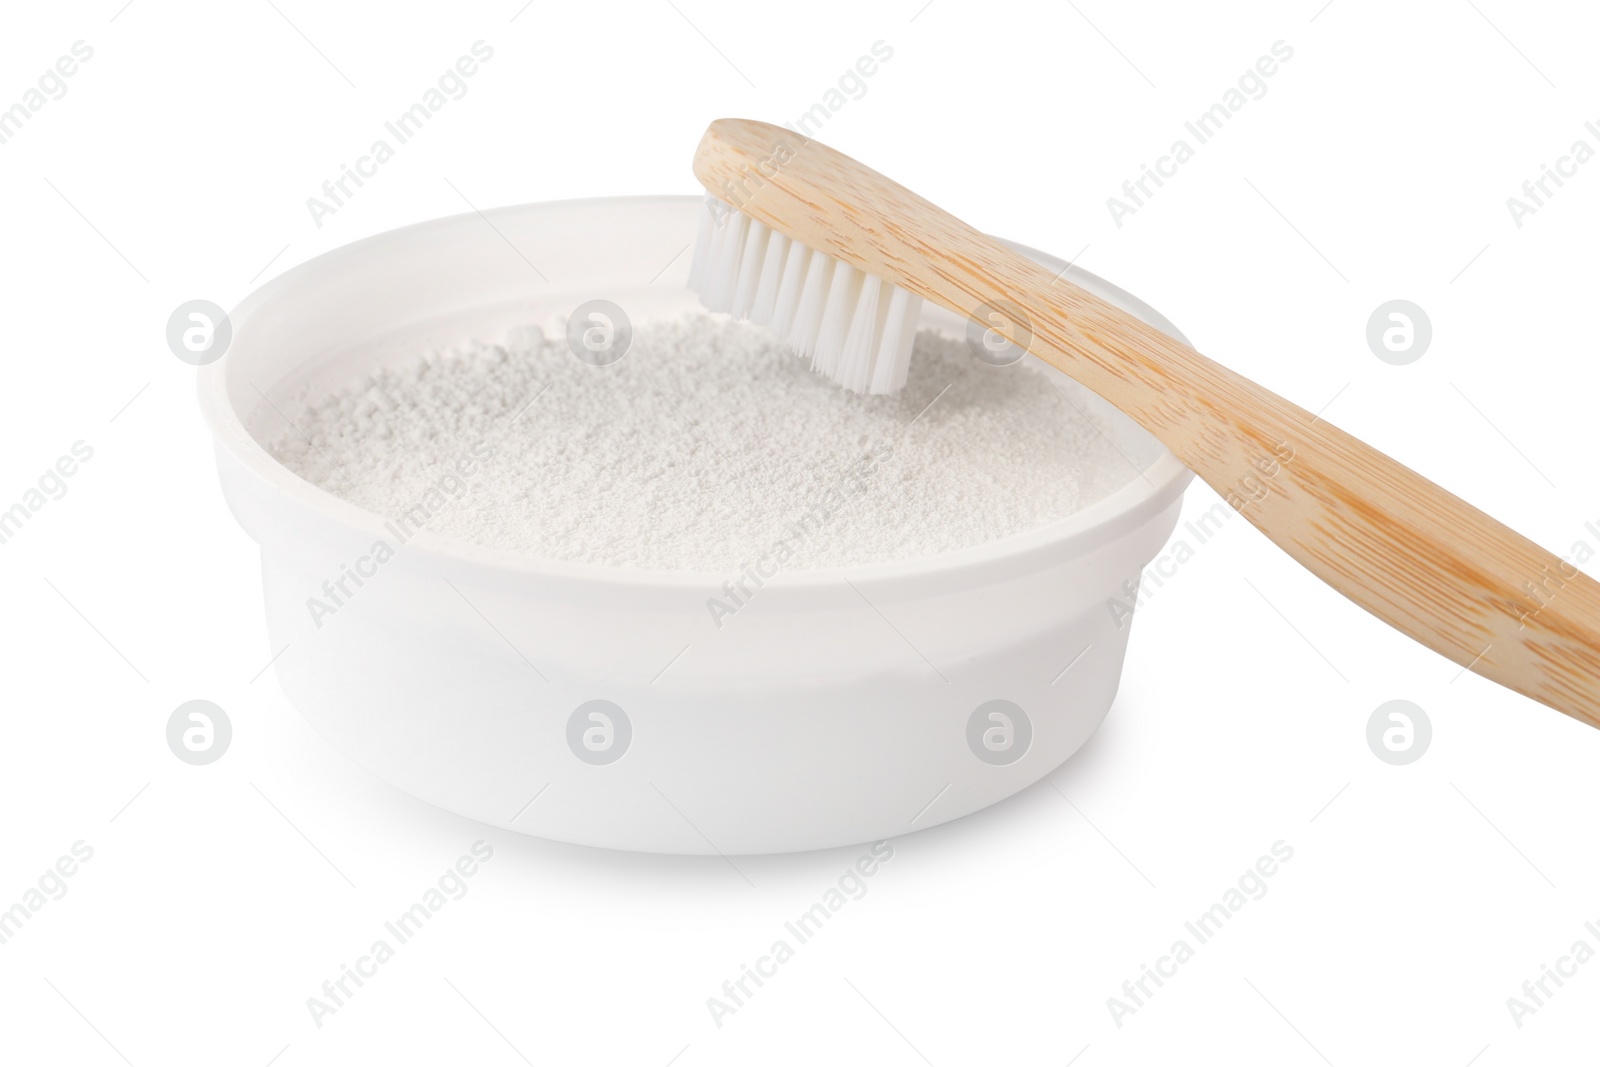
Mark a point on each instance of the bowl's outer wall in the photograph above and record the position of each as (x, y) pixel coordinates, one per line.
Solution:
(823, 713)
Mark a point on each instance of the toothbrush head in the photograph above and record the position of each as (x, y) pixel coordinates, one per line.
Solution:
(854, 327)
(779, 246)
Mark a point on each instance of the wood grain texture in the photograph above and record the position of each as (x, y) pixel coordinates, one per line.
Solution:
(1414, 555)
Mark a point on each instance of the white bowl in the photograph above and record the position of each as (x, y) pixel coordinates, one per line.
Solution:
(834, 712)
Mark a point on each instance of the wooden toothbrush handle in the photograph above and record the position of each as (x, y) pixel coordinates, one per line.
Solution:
(1419, 558)
(1416, 556)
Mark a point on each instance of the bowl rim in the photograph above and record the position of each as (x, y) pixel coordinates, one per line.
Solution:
(1149, 491)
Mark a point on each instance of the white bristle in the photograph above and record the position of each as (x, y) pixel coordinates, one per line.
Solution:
(751, 257)
(722, 276)
(827, 356)
(788, 299)
(771, 276)
(702, 249)
(854, 327)
(899, 330)
(866, 326)
(807, 324)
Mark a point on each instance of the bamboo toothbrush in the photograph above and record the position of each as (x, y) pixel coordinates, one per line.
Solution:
(835, 259)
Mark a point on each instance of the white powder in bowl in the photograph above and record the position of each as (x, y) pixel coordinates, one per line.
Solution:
(706, 447)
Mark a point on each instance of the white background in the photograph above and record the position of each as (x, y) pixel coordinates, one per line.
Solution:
(1377, 166)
